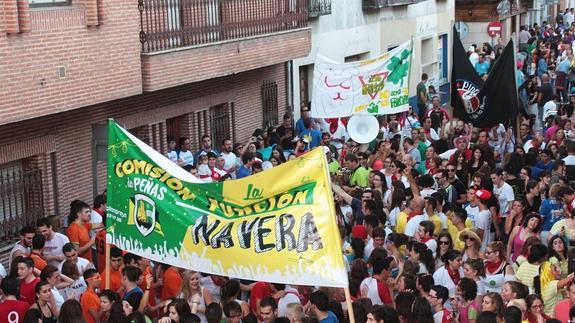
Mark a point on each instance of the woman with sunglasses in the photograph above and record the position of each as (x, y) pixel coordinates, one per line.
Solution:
(444, 244)
(520, 234)
(471, 249)
(497, 269)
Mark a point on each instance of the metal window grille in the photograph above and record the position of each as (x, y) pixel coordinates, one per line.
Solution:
(270, 103)
(21, 200)
(220, 123)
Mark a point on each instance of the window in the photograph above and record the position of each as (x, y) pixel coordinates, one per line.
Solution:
(221, 123)
(270, 104)
(21, 198)
(442, 47)
(356, 58)
(304, 77)
(45, 3)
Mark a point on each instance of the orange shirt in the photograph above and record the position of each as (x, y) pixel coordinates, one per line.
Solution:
(101, 249)
(78, 234)
(39, 262)
(115, 278)
(89, 300)
(172, 283)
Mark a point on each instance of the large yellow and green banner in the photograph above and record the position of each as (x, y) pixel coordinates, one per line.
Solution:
(276, 226)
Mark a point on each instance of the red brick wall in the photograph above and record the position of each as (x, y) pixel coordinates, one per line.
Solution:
(72, 130)
(163, 70)
(102, 63)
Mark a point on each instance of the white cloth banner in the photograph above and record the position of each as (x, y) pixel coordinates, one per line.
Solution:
(374, 86)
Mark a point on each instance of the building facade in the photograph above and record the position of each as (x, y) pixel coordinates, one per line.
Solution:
(180, 68)
(358, 30)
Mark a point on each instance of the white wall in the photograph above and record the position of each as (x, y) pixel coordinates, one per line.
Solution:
(350, 31)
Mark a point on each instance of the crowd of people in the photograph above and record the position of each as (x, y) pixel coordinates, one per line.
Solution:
(440, 221)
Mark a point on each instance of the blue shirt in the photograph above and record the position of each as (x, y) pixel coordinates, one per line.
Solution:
(330, 318)
(299, 127)
(243, 172)
(136, 290)
(315, 136)
(482, 68)
(548, 167)
(551, 211)
(564, 66)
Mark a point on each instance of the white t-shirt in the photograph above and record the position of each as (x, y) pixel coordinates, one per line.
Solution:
(569, 160)
(549, 109)
(76, 290)
(504, 195)
(433, 134)
(54, 247)
(58, 297)
(427, 192)
(230, 160)
(17, 247)
(472, 212)
(95, 218)
(441, 277)
(413, 224)
(483, 222)
(432, 245)
(340, 133)
(173, 156)
(291, 296)
(82, 265)
(187, 157)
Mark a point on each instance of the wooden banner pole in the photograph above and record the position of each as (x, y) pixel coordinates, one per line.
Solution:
(349, 306)
(107, 269)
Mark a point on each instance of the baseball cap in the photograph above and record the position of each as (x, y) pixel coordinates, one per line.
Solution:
(483, 194)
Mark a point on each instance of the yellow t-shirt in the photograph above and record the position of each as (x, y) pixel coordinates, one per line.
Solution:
(401, 222)
(437, 222)
(454, 233)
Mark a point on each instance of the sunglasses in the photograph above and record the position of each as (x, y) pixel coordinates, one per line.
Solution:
(451, 170)
(469, 238)
(443, 242)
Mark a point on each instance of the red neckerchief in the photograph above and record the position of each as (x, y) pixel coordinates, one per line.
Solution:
(492, 266)
(454, 275)
(424, 240)
(99, 212)
(411, 215)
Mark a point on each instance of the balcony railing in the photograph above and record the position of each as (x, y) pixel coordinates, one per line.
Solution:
(378, 4)
(319, 8)
(169, 24)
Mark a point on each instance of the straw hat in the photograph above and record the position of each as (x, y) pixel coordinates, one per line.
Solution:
(469, 233)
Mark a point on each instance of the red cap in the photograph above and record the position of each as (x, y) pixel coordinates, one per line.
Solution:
(377, 165)
(483, 194)
(359, 231)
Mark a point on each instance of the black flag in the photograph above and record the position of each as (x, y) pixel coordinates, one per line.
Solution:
(483, 104)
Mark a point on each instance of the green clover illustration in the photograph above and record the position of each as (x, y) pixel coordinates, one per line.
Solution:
(399, 67)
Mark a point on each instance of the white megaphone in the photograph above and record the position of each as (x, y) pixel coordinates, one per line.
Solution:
(363, 128)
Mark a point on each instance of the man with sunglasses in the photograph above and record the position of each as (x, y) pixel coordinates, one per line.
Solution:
(457, 184)
(299, 125)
